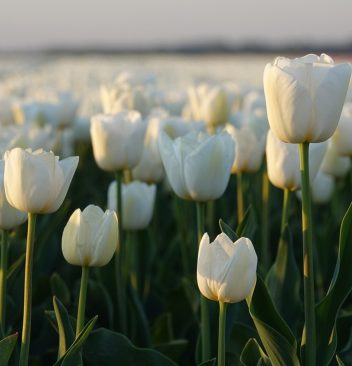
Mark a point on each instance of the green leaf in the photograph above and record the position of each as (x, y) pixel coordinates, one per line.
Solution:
(15, 266)
(211, 362)
(339, 361)
(253, 355)
(283, 281)
(7, 346)
(59, 288)
(72, 356)
(173, 349)
(107, 348)
(248, 225)
(162, 329)
(66, 333)
(341, 285)
(226, 229)
(277, 338)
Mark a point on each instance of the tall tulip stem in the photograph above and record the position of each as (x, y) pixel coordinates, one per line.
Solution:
(265, 253)
(240, 198)
(221, 336)
(204, 313)
(119, 262)
(3, 275)
(27, 297)
(82, 300)
(309, 336)
(285, 209)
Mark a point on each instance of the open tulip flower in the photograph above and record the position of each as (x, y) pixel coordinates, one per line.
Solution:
(37, 182)
(305, 96)
(197, 165)
(226, 271)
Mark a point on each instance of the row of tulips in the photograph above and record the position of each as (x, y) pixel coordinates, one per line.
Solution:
(304, 100)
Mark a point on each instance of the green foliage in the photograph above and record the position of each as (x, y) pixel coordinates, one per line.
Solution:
(7, 346)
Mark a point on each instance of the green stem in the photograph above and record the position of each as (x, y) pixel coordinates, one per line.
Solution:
(204, 313)
(265, 253)
(119, 262)
(3, 274)
(82, 300)
(308, 338)
(221, 336)
(285, 209)
(182, 220)
(240, 198)
(27, 297)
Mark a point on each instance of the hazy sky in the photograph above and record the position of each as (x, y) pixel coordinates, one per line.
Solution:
(26, 24)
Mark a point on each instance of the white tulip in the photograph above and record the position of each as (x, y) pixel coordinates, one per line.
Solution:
(37, 182)
(305, 96)
(249, 136)
(90, 237)
(322, 189)
(137, 204)
(283, 162)
(210, 104)
(334, 164)
(9, 216)
(197, 165)
(342, 137)
(226, 271)
(117, 140)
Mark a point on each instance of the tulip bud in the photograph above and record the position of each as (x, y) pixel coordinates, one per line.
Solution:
(226, 271)
(9, 216)
(283, 162)
(198, 166)
(138, 200)
(90, 237)
(304, 97)
(117, 140)
(334, 164)
(322, 189)
(342, 138)
(37, 182)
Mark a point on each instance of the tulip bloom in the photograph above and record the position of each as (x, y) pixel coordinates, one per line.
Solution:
(117, 140)
(90, 237)
(137, 204)
(249, 136)
(37, 182)
(226, 271)
(198, 166)
(342, 137)
(9, 216)
(210, 104)
(333, 164)
(283, 162)
(305, 96)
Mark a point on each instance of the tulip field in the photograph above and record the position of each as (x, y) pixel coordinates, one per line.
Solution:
(175, 210)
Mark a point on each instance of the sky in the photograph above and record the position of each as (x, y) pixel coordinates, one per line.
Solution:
(41, 24)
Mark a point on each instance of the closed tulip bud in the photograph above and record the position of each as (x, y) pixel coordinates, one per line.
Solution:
(342, 137)
(322, 189)
(283, 162)
(334, 164)
(90, 237)
(9, 216)
(117, 140)
(210, 104)
(226, 271)
(138, 200)
(304, 97)
(37, 182)
(197, 165)
(249, 136)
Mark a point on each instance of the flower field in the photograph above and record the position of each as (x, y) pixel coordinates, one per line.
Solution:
(175, 210)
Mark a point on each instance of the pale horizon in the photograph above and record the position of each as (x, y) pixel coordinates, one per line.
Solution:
(39, 24)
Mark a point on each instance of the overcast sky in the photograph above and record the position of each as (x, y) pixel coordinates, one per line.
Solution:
(28, 24)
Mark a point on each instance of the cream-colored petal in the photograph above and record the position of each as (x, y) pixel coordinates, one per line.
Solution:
(70, 238)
